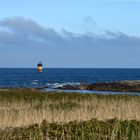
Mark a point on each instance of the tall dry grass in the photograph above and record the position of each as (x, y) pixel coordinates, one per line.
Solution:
(23, 108)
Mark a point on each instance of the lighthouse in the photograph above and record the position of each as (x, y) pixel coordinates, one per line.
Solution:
(39, 67)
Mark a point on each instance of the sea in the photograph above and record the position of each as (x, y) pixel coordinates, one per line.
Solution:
(55, 77)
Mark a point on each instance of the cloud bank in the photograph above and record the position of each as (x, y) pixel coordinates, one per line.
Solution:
(18, 31)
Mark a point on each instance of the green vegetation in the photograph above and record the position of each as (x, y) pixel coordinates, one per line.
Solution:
(29, 96)
(85, 130)
(35, 115)
(64, 106)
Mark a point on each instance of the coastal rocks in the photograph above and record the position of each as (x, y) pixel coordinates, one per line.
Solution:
(116, 86)
(122, 86)
(83, 86)
(73, 87)
(69, 87)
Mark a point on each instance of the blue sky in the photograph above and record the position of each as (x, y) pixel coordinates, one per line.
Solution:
(70, 33)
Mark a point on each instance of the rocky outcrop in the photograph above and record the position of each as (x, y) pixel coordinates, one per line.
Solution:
(114, 86)
(69, 87)
(129, 86)
(121, 86)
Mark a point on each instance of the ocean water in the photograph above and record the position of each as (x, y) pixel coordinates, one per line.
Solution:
(54, 77)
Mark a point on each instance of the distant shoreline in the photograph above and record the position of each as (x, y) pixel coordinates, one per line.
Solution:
(116, 86)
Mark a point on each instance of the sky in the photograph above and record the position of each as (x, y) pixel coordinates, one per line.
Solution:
(70, 33)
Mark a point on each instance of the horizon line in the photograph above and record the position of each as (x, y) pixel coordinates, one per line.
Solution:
(72, 67)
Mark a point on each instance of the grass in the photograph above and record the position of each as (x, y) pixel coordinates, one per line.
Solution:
(84, 130)
(68, 116)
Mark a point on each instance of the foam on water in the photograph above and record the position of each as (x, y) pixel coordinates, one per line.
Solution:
(34, 83)
(57, 85)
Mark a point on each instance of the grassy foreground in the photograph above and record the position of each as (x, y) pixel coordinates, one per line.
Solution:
(85, 130)
(35, 115)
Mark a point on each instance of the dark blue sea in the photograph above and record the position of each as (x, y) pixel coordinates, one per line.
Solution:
(53, 77)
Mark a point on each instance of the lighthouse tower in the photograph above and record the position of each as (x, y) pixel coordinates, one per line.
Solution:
(39, 67)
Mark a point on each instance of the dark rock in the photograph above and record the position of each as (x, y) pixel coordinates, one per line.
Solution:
(83, 86)
(115, 86)
(69, 87)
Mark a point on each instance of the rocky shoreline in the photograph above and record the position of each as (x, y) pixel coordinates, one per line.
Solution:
(120, 86)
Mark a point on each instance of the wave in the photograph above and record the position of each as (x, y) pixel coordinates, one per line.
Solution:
(34, 83)
(57, 85)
